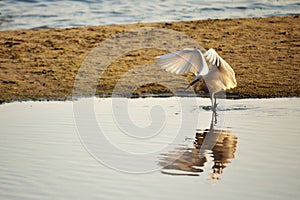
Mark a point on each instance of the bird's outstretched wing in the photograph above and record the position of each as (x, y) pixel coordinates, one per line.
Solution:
(182, 62)
(225, 69)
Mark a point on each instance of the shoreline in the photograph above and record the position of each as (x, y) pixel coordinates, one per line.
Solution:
(42, 64)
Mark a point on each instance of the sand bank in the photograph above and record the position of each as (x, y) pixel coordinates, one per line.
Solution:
(42, 64)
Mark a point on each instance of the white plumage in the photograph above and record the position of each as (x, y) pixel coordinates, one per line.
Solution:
(217, 73)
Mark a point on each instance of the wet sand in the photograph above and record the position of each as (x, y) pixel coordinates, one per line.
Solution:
(42, 64)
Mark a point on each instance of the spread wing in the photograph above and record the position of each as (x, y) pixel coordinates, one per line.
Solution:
(182, 62)
(225, 69)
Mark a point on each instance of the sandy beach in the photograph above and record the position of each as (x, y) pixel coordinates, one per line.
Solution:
(42, 64)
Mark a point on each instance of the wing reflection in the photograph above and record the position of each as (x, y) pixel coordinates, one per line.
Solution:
(214, 147)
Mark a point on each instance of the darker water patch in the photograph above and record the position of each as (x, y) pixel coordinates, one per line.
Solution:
(39, 13)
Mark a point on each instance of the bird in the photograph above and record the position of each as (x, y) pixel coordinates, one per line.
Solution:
(216, 72)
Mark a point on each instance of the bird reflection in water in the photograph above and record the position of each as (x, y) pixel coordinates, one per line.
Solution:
(210, 145)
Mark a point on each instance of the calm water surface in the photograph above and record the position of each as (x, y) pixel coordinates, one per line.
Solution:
(36, 14)
(255, 154)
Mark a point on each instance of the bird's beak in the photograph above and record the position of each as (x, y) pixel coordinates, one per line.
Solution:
(192, 83)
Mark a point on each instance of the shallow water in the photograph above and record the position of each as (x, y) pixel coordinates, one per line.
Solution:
(250, 152)
(33, 14)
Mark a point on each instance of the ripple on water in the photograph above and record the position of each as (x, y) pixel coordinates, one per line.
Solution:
(257, 149)
(42, 14)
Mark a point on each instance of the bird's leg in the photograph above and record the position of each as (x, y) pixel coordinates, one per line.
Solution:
(215, 103)
(213, 100)
(216, 116)
(213, 109)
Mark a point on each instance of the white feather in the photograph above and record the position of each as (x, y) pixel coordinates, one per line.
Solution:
(182, 62)
(227, 75)
(217, 73)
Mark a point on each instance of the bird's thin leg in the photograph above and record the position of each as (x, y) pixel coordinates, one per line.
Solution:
(214, 108)
(215, 116)
(212, 101)
(215, 104)
(212, 119)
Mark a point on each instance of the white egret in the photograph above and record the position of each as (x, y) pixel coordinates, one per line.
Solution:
(216, 72)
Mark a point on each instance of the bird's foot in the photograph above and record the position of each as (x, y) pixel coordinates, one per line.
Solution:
(215, 116)
(214, 107)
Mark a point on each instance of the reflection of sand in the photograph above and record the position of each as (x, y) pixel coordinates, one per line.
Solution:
(183, 161)
(264, 53)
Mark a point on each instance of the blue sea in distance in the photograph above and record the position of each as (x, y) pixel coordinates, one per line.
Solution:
(38, 14)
